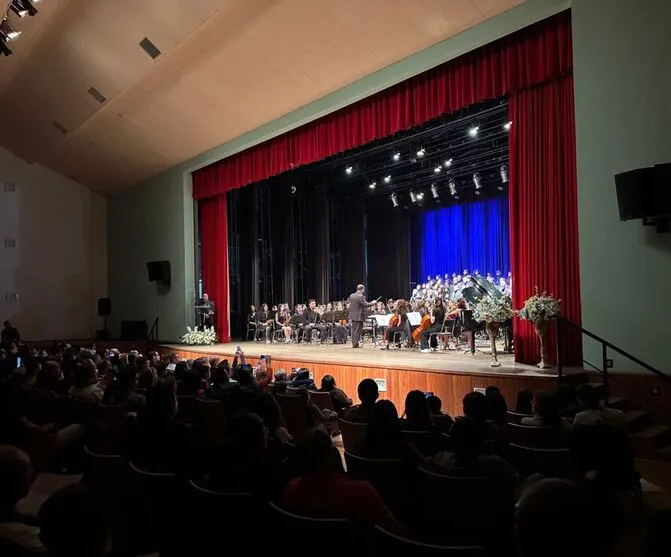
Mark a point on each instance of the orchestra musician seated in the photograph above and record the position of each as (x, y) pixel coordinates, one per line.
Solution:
(397, 324)
(311, 322)
(437, 316)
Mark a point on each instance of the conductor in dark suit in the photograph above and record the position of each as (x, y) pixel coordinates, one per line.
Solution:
(357, 308)
(207, 312)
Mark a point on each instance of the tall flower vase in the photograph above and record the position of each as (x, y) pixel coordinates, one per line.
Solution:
(542, 332)
(493, 331)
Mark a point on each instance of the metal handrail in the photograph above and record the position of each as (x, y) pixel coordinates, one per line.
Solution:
(605, 346)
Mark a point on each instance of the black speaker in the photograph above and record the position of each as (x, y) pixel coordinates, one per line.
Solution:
(104, 307)
(134, 330)
(644, 192)
(159, 271)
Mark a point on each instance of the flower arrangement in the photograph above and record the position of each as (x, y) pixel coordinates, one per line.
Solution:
(197, 337)
(493, 309)
(540, 307)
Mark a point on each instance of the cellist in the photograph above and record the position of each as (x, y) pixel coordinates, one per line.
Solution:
(397, 324)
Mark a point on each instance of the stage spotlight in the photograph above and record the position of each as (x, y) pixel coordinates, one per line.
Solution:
(473, 132)
(397, 156)
(477, 183)
(437, 169)
(420, 196)
(421, 152)
(434, 191)
(413, 197)
(7, 32)
(349, 170)
(448, 163)
(453, 189)
(503, 171)
(394, 200)
(372, 185)
(293, 189)
(507, 126)
(387, 179)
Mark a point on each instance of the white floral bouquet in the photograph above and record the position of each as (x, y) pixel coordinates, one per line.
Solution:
(540, 307)
(493, 309)
(197, 337)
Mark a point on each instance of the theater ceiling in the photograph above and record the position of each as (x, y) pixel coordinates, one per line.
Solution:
(81, 96)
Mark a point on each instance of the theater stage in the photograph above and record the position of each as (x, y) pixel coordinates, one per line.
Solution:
(448, 374)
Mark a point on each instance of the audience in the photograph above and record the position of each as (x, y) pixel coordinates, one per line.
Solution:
(247, 447)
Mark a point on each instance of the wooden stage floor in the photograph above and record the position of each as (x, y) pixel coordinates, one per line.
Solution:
(448, 374)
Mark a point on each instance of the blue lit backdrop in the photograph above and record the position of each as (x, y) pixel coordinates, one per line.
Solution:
(470, 236)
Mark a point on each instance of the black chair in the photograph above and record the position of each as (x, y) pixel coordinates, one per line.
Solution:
(552, 463)
(353, 435)
(516, 417)
(536, 437)
(480, 510)
(302, 535)
(294, 413)
(387, 543)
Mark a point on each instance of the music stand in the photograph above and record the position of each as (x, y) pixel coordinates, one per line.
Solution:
(470, 325)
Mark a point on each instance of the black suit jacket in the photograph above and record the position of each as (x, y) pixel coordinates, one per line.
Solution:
(358, 306)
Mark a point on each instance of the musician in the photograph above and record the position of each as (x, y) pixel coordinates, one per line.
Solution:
(340, 324)
(282, 321)
(311, 320)
(381, 308)
(398, 323)
(208, 311)
(437, 317)
(357, 308)
(263, 322)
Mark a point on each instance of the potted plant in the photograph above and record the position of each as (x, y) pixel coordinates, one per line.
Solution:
(493, 311)
(197, 337)
(539, 309)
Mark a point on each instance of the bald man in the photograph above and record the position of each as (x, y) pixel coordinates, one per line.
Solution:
(357, 309)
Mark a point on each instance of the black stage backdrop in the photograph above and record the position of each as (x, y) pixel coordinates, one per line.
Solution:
(290, 247)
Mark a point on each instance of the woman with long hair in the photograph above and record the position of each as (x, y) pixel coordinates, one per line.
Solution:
(398, 323)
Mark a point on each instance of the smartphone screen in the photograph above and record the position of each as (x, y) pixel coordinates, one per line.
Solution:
(171, 367)
(18, 361)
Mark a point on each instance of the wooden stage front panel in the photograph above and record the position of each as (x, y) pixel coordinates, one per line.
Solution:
(449, 375)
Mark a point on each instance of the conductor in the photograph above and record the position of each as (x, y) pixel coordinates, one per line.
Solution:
(357, 307)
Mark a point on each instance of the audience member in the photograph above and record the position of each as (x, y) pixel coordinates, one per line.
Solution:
(122, 391)
(340, 400)
(524, 404)
(368, 393)
(442, 421)
(85, 385)
(546, 414)
(496, 408)
(338, 496)
(593, 412)
(417, 416)
(15, 480)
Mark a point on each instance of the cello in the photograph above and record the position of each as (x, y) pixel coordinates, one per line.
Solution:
(424, 324)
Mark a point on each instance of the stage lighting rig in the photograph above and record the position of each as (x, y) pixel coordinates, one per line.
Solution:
(507, 126)
(477, 183)
(7, 33)
(448, 163)
(473, 132)
(387, 179)
(372, 185)
(394, 200)
(397, 156)
(349, 170)
(413, 196)
(453, 189)
(434, 191)
(421, 152)
(503, 171)
(437, 169)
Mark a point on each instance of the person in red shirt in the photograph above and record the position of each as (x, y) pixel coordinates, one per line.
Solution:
(323, 493)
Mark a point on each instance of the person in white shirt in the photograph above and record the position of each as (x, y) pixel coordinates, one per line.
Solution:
(595, 412)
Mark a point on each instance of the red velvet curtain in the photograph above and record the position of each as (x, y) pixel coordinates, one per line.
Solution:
(528, 57)
(214, 259)
(544, 210)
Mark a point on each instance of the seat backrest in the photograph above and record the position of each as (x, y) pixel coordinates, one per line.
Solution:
(294, 413)
(425, 442)
(516, 418)
(187, 411)
(212, 419)
(387, 543)
(293, 390)
(353, 435)
(537, 437)
(372, 469)
(553, 463)
(106, 473)
(321, 400)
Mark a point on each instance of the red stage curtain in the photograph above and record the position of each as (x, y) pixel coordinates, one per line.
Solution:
(214, 257)
(528, 57)
(544, 210)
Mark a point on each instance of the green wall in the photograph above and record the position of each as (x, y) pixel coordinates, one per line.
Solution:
(154, 220)
(622, 61)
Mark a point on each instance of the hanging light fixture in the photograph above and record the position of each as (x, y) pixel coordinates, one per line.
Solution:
(453, 189)
(394, 200)
(434, 191)
(477, 183)
(413, 196)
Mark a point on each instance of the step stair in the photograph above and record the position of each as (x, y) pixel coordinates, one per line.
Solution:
(648, 440)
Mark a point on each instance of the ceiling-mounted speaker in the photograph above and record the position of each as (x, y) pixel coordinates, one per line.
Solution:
(159, 271)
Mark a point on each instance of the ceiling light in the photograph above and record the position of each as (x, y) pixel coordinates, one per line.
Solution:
(420, 196)
(434, 191)
(22, 8)
(349, 170)
(372, 185)
(7, 32)
(473, 132)
(477, 183)
(397, 156)
(437, 169)
(413, 197)
(387, 179)
(421, 152)
(503, 171)
(448, 163)
(507, 126)
(394, 200)
(453, 189)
